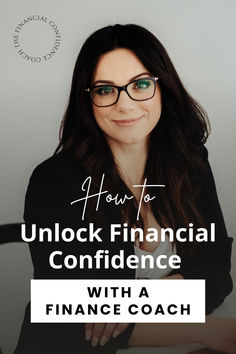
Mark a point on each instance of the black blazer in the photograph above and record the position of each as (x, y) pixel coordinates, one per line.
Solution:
(53, 185)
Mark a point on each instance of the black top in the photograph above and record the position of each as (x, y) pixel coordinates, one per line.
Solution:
(53, 185)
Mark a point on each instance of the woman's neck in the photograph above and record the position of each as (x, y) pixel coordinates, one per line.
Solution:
(130, 160)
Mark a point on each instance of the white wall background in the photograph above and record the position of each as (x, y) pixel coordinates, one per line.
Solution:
(200, 38)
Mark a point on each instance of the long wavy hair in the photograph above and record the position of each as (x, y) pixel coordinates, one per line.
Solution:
(175, 144)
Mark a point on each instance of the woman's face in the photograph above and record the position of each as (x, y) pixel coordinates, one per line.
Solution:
(127, 121)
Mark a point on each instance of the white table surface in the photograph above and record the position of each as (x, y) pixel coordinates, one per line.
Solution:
(227, 309)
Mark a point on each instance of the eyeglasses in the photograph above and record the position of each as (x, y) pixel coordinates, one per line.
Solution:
(138, 90)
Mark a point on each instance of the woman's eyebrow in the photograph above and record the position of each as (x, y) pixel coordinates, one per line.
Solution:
(111, 82)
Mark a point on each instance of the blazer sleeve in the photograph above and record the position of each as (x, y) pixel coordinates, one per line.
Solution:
(212, 262)
(52, 186)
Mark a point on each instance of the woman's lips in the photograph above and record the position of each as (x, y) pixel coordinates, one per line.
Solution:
(127, 122)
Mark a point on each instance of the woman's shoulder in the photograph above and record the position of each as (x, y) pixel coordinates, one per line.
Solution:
(204, 153)
(53, 184)
(62, 164)
(60, 172)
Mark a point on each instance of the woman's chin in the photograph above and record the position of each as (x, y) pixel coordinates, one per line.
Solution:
(127, 140)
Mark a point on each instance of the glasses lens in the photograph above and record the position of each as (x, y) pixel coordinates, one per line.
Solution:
(141, 89)
(104, 95)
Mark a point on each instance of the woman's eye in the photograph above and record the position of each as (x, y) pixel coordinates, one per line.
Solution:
(104, 90)
(142, 84)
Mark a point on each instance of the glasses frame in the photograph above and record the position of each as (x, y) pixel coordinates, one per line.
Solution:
(123, 88)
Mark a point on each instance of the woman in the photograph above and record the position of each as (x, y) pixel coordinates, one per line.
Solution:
(129, 118)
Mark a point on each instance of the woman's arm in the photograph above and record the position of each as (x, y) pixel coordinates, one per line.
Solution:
(53, 185)
(212, 261)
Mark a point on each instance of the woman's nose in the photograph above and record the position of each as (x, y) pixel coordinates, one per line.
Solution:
(125, 103)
